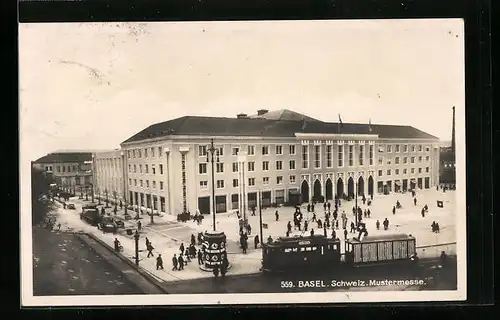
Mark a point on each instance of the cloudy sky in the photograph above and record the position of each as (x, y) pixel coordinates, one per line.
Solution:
(93, 85)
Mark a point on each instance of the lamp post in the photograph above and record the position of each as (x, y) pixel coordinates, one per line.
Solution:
(260, 217)
(107, 199)
(136, 239)
(92, 191)
(356, 202)
(86, 193)
(213, 156)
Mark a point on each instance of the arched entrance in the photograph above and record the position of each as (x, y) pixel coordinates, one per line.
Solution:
(350, 188)
(340, 188)
(317, 191)
(329, 189)
(304, 191)
(361, 186)
(370, 186)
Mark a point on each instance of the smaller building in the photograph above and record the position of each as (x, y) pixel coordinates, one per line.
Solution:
(108, 176)
(71, 171)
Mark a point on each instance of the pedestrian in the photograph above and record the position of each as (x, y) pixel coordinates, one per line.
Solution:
(269, 239)
(289, 226)
(422, 212)
(175, 263)
(345, 234)
(245, 246)
(328, 205)
(306, 224)
(324, 206)
(256, 241)
(249, 229)
(253, 210)
(313, 217)
(200, 257)
(393, 210)
(193, 239)
(139, 225)
(277, 215)
(150, 250)
(188, 256)
(117, 245)
(334, 234)
(336, 224)
(115, 210)
(312, 232)
(415, 201)
(147, 243)
(324, 231)
(368, 212)
(159, 262)
(312, 207)
(181, 262)
(181, 248)
(378, 225)
(308, 207)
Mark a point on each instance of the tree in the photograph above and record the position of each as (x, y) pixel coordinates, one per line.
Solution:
(41, 205)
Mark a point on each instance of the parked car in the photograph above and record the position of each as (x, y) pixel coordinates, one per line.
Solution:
(71, 206)
(108, 224)
(91, 216)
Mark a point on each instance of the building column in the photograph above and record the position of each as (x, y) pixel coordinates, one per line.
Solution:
(311, 187)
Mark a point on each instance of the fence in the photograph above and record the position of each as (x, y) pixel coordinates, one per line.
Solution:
(434, 251)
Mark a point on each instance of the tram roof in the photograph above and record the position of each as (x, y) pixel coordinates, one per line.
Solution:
(292, 240)
(389, 237)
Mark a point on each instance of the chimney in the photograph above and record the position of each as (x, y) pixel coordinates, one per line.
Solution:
(262, 112)
(453, 132)
(242, 116)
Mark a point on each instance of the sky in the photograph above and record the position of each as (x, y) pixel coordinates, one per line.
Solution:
(90, 86)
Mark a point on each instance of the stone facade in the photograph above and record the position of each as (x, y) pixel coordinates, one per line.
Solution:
(109, 175)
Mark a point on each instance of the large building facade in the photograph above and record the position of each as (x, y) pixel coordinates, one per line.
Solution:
(271, 158)
(71, 171)
(109, 176)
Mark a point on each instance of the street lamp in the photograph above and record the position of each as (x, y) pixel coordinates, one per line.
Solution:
(356, 202)
(92, 191)
(86, 193)
(136, 239)
(260, 216)
(213, 156)
(107, 200)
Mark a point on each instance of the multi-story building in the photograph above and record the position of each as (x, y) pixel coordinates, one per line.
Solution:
(168, 166)
(69, 170)
(109, 175)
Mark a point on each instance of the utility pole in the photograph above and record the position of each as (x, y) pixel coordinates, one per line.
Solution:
(136, 238)
(260, 217)
(356, 203)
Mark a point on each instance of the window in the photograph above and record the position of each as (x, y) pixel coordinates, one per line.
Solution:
(279, 150)
(235, 151)
(129, 168)
(380, 173)
(147, 183)
(305, 157)
(251, 166)
(202, 168)
(291, 150)
(291, 163)
(135, 182)
(139, 153)
(389, 148)
(419, 170)
(204, 184)
(381, 149)
(412, 159)
(133, 153)
(161, 169)
(405, 160)
(220, 151)
(340, 156)
(251, 182)
(161, 185)
(129, 181)
(135, 168)
(427, 158)
(140, 183)
(405, 148)
(220, 184)
(397, 148)
(154, 184)
(292, 179)
(279, 179)
(396, 160)
(317, 156)
(371, 154)
(251, 150)
(153, 152)
(265, 150)
(279, 165)
(235, 166)
(219, 167)
(419, 148)
(145, 153)
(202, 151)
(420, 159)
(380, 161)
(128, 154)
(426, 169)
(235, 183)
(153, 169)
(64, 168)
(396, 171)
(412, 148)
(160, 151)
(388, 172)
(427, 148)
(265, 180)
(146, 167)
(351, 155)
(329, 160)
(412, 170)
(361, 155)
(140, 168)
(265, 165)
(405, 171)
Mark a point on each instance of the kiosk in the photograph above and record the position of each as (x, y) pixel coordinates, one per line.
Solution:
(214, 250)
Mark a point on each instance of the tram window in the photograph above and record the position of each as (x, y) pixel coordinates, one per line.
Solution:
(308, 249)
(288, 250)
(295, 249)
(330, 247)
(335, 247)
(322, 250)
(302, 249)
(314, 248)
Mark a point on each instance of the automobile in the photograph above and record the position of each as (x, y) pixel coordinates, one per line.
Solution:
(71, 206)
(108, 224)
(91, 216)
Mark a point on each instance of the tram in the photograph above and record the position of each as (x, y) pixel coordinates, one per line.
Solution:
(320, 253)
(311, 252)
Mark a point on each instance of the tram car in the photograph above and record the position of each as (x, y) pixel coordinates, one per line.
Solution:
(311, 252)
(320, 253)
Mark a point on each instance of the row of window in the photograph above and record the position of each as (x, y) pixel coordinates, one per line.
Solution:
(146, 168)
(405, 171)
(219, 167)
(64, 169)
(405, 160)
(220, 184)
(405, 147)
(202, 150)
(141, 183)
(150, 203)
(145, 152)
(114, 163)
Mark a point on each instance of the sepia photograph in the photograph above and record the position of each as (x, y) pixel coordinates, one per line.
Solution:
(242, 162)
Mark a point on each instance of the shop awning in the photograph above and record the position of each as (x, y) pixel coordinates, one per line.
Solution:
(413, 180)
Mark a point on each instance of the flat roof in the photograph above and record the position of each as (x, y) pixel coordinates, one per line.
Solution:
(389, 237)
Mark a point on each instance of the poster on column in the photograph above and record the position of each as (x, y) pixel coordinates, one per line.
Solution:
(333, 118)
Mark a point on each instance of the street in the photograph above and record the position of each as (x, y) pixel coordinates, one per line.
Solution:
(63, 265)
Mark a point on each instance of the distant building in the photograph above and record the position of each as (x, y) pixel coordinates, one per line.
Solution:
(108, 175)
(282, 154)
(447, 156)
(69, 170)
